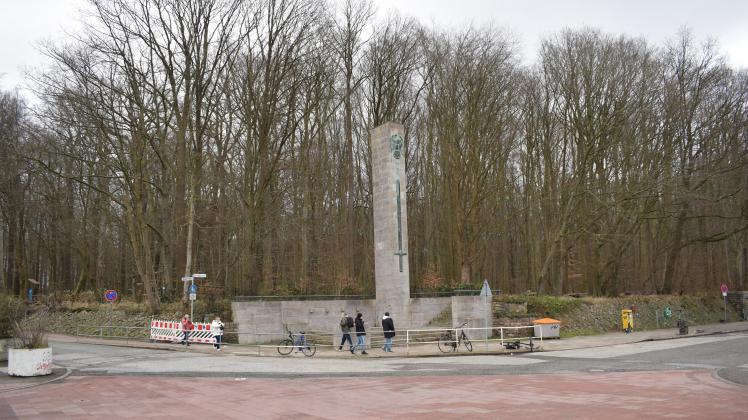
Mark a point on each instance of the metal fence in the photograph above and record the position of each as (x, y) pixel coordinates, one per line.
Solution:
(128, 333)
(495, 339)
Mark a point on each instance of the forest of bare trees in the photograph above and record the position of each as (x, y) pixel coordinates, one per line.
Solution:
(231, 137)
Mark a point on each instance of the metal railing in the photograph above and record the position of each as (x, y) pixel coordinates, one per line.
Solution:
(456, 292)
(300, 297)
(275, 298)
(415, 341)
(127, 333)
(492, 338)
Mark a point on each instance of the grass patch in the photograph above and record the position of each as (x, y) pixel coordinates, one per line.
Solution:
(552, 306)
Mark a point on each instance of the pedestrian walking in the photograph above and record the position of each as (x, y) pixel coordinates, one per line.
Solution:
(187, 326)
(346, 323)
(360, 334)
(388, 328)
(216, 327)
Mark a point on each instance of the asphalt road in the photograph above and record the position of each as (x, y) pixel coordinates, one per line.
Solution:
(695, 377)
(724, 354)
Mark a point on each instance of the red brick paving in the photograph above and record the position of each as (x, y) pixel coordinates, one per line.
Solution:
(676, 394)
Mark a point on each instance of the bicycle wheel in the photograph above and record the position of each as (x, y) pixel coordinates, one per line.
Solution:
(446, 343)
(309, 349)
(467, 343)
(285, 347)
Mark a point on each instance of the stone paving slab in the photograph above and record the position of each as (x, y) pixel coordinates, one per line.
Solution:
(609, 395)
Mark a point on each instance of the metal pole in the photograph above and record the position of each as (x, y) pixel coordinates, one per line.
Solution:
(724, 297)
(192, 302)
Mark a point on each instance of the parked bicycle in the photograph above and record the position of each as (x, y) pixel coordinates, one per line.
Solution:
(298, 342)
(448, 342)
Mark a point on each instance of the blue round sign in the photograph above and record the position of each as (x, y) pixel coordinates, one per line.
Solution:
(110, 295)
(193, 288)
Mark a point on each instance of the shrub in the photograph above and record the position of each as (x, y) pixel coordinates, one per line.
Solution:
(7, 304)
(552, 306)
(30, 329)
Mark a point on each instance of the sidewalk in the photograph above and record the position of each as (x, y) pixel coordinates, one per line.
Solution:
(424, 350)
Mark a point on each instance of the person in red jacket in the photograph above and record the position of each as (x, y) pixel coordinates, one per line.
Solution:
(187, 326)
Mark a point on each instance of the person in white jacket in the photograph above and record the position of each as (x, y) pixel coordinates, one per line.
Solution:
(216, 327)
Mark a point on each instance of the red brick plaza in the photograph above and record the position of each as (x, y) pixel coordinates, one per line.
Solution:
(640, 395)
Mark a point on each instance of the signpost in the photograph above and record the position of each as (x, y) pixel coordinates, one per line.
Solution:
(724, 291)
(192, 290)
(110, 296)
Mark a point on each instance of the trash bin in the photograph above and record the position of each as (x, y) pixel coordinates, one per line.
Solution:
(682, 327)
(547, 327)
(627, 320)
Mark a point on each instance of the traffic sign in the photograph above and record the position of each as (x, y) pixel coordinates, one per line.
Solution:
(110, 295)
(187, 278)
(193, 296)
(200, 276)
(193, 288)
(724, 289)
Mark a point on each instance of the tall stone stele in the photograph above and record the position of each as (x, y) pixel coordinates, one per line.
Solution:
(390, 221)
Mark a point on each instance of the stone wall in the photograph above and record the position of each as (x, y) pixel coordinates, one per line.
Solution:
(423, 310)
(263, 322)
(476, 311)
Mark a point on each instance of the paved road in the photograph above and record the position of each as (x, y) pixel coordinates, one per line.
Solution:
(687, 378)
(723, 353)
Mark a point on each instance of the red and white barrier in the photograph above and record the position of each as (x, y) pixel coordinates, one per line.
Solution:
(171, 331)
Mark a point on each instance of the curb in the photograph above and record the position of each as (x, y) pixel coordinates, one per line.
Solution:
(67, 373)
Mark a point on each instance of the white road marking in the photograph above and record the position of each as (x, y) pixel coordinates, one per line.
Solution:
(636, 348)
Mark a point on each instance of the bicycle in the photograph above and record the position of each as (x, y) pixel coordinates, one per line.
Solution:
(447, 342)
(298, 342)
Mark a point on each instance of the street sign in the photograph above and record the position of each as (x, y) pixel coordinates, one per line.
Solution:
(193, 296)
(200, 276)
(193, 288)
(724, 289)
(110, 295)
(188, 278)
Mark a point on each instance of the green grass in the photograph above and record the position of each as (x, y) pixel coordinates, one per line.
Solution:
(552, 306)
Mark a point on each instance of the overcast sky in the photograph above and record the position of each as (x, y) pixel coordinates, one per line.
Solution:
(23, 23)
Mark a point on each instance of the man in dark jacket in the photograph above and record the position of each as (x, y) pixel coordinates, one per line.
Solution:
(360, 334)
(388, 327)
(345, 327)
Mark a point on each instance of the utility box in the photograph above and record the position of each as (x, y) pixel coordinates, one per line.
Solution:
(627, 320)
(547, 327)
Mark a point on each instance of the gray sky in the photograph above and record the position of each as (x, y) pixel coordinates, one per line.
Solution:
(23, 23)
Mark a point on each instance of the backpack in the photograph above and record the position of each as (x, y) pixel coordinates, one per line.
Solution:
(349, 322)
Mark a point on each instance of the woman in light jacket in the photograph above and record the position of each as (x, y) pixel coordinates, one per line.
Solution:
(216, 327)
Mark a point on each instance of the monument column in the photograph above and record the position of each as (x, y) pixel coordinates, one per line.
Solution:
(390, 221)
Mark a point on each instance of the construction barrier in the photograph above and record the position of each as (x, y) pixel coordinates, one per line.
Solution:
(171, 331)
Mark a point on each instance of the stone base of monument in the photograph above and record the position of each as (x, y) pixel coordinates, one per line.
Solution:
(267, 318)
